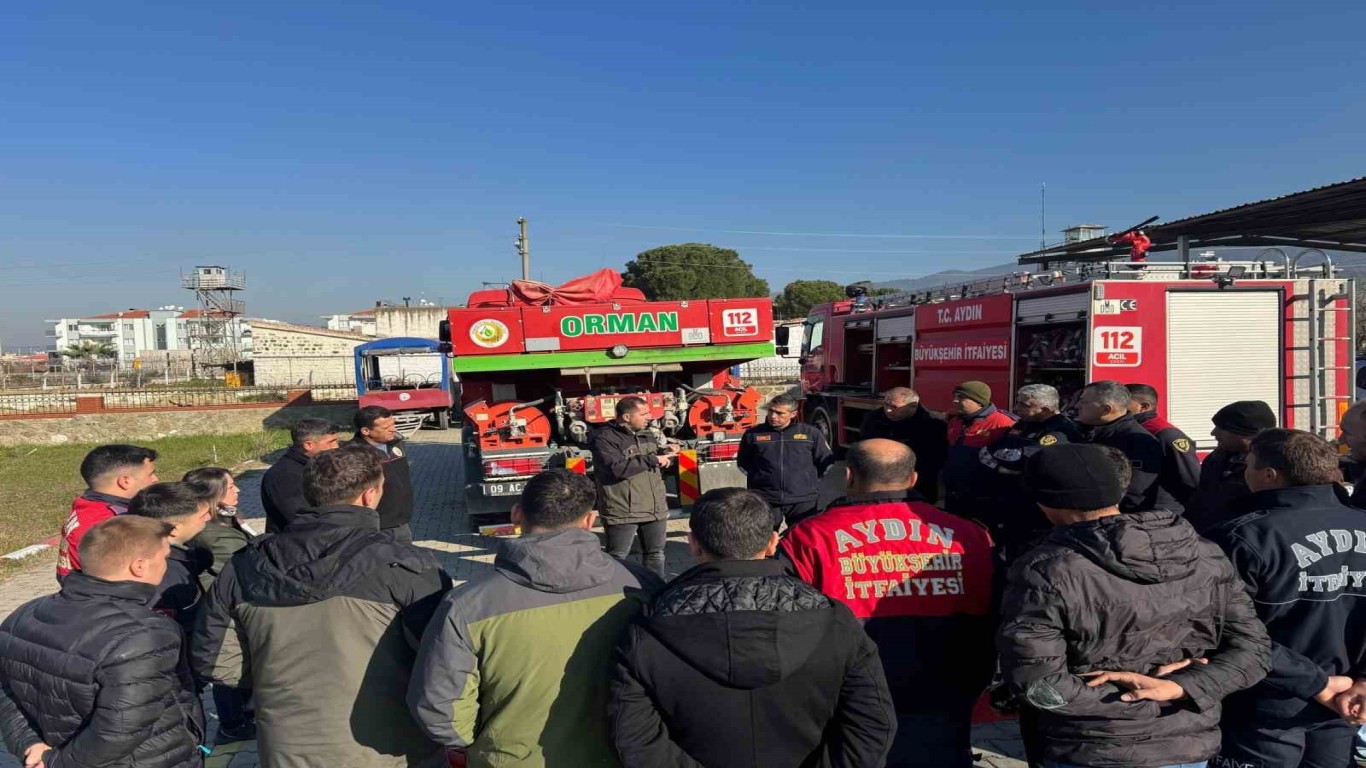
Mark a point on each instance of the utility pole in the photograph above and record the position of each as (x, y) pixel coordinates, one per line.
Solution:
(1043, 208)
(523, 247)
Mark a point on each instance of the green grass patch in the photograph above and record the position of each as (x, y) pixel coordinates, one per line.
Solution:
(37, 483)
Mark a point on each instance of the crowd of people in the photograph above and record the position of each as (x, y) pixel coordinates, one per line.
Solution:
(1132, 606)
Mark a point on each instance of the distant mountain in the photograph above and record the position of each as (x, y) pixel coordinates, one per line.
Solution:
(1347, 264)
(952, 276)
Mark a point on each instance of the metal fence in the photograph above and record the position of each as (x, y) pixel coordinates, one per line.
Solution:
(769, 371)
(153, 398)
(17, 376)
(37, 403)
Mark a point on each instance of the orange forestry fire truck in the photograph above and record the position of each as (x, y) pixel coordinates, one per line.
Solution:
(542, 367)
(1203, 334)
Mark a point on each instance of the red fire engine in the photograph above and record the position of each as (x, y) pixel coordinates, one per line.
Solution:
(542, 367)
(1203, 335)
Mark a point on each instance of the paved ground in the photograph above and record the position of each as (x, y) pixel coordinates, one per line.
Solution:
(440, 524)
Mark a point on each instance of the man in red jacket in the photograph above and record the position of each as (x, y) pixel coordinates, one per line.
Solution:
(922, 582)
(113, 475)
(974, 424)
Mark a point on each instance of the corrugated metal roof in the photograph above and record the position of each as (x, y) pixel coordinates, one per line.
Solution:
(1332, 216)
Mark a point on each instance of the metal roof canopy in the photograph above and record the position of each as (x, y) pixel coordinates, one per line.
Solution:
(401, 344)
(1332, 217)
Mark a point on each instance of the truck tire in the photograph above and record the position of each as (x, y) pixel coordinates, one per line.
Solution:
(821, 420)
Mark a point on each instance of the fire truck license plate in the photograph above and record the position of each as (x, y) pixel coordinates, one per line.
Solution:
(504, 489)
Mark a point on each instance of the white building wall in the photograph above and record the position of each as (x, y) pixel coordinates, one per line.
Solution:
(134, 337)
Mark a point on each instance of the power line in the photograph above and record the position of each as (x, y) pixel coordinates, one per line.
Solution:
(813, 234)
(684, 265)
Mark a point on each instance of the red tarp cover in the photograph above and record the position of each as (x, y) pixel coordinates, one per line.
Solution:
(600, 287)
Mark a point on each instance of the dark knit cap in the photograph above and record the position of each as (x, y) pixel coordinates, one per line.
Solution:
(1245, 417)
(1073, 476)
(976, 391)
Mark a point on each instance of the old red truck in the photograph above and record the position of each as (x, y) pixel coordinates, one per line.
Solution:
(541, 368)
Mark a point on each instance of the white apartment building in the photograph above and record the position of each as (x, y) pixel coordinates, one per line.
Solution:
(363, 321)
(136, 333)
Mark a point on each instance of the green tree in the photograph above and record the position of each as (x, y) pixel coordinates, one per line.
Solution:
(88, 352)
(692, 271)
(799, 296)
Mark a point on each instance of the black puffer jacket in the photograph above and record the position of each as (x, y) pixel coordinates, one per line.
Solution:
(1128, 593)
(95, 673)
(737, 664)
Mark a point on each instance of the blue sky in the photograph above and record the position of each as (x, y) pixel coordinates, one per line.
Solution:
(341, 153)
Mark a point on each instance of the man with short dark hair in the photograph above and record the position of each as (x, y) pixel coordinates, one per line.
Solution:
(515, 667)
(704, 658)
(1223, 488)
(282, 487)
(330, 611)
(187, 508)
(628, 466)
(974, 424)
(1102, 618)
(375, 429)
(1299, 549)
(1180, 463)
(903, 419)
(91, 676)
(1103, 409)
(783, 460)
(921, 580)
(113, 475)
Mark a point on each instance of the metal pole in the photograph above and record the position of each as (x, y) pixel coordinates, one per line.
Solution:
(524, 248)
(1183, 247)
(1043, 208)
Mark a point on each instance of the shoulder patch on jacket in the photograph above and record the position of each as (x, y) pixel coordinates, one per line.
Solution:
(397, 451)
(762, 438)
(1048, 440)
(1182, 444)
(1045, 696)
(801, 436)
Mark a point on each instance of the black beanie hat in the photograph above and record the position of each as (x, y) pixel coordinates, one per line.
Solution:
(1245, 417)
(1074, 476)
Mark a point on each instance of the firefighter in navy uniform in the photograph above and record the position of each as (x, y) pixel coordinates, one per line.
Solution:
(1015, 520)
(1223, 484)
(1103, 409)
(1180, 463)
(783, 460)
(1299, 550)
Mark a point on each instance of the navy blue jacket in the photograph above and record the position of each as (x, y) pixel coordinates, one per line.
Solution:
(1302, 553)
(784, 465)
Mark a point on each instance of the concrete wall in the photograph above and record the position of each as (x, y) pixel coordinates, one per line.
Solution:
(418, 322)
(132, 427)
(299, 355)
